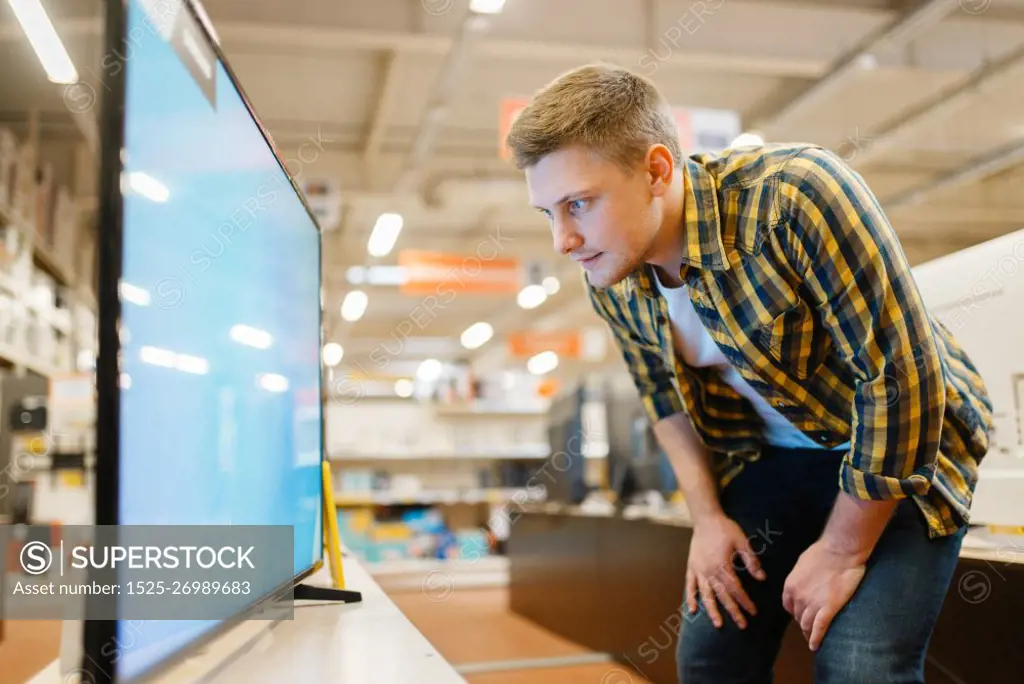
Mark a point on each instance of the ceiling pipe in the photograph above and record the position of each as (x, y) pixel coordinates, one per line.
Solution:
(942, 104)
(453, 74)
(989, 165)
(901, 29)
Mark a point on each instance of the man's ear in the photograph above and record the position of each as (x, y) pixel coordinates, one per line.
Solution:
(660, 169)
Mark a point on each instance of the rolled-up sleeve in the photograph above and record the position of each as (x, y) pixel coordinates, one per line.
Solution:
(655, 380)
(839, 239)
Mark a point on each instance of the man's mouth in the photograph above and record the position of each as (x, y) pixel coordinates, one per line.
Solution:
(589, 261)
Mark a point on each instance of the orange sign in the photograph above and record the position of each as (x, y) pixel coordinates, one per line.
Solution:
(510, 109)
(565, 343)
(443, 273)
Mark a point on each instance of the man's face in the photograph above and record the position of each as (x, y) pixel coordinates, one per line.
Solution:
(601, 217)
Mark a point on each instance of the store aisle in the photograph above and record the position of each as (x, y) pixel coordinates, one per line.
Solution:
(474, 630)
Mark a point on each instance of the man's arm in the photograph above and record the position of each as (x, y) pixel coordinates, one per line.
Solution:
(710, 574)
(859, 280)
(691, 464)
(836, 235)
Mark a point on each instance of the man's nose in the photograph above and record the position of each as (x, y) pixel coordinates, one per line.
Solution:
(566, 238)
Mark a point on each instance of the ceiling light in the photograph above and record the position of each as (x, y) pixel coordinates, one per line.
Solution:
(403, 388)
(148, 187)
(542, 363)
(354, 306)
(747, 140)
(477, 335)
(531, 296)
(486, 6)
(385, 233)
(550, 285)
(44, 40)
(252, 337)
(429, 370)
(272, 382)
(134, 294)
(333, 353)
(867, 61)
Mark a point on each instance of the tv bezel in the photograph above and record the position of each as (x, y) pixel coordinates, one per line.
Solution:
(99, 661)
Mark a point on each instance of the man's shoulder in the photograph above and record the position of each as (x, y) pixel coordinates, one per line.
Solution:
(745, 167)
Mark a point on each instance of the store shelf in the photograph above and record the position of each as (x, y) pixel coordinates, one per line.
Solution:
(12, 356)
(515, 452)
(440, 577)
(489, 495)
(486, 410)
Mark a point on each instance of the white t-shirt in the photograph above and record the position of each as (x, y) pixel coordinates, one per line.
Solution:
(697, 348)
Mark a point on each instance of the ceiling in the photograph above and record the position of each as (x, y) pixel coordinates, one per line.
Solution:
(396, 103)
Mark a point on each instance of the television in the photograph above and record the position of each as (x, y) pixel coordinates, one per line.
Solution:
(636, 463)
(977, 293)
(210, 317)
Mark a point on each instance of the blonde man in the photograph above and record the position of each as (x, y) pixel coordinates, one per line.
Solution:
(826, 430)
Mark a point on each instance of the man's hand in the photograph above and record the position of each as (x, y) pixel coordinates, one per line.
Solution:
(820, 584)
(716, 541)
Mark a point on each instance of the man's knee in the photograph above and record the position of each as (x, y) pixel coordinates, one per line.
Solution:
(869, 661)
(710, 655)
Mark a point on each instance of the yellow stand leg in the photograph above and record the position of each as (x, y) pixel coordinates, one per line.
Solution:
(332, 548)
(332, 538)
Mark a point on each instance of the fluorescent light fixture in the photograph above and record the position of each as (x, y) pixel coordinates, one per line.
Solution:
(747, 140)
(385, 233)
(354, 305)
(430, 370)
(272, 382)
(550, 285)
(376, 275)
(156, 356)
(165, 358)
(486, 6)
(404, 388)
(192, 364)
(252, 337)
(134, 294)
(542, 363)
(148, 187)
(531, 296)
(333, 353)
(477, 335)
(44, 39)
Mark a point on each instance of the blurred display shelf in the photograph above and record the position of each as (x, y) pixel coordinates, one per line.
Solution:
(490, 495)
(439, 578)
(37, 366)
(512, 453)
(488, 410)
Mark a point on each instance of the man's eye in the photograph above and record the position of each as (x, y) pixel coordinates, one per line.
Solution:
(576, 206)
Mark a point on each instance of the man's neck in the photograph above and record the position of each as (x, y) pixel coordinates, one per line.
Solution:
(666, 253)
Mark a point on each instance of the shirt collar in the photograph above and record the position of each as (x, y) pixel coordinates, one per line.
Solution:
(701, 226)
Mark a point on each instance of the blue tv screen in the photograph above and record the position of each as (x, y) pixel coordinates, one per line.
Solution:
(220, 409)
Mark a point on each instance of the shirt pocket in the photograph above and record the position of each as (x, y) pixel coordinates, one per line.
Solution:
(795, 341)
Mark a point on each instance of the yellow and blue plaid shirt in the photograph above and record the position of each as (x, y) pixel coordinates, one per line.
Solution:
(799, 278)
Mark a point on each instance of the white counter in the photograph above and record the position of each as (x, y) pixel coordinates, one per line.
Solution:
(370, 642)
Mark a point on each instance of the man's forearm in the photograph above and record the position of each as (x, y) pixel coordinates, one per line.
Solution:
(855, 525)
(689, 460)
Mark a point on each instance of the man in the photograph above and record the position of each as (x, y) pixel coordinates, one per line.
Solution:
(806, 399)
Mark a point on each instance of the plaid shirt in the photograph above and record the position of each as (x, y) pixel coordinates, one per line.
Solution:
(797, 275)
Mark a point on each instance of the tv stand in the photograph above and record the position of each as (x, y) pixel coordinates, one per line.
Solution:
(305, 592)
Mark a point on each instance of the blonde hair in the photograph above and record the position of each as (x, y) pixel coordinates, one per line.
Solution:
(602, 107)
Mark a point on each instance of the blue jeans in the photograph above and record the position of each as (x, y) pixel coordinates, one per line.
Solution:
(881, 636)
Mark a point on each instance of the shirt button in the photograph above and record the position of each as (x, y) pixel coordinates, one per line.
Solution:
(822, 438)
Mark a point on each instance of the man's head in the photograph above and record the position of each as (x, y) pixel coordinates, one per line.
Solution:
(600, 149)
